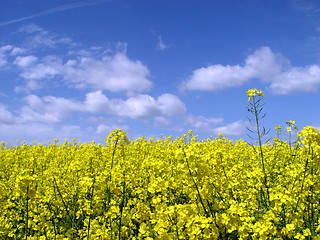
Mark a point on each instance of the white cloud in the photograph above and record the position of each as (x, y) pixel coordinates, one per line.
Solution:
(31, 85)
(17, 50)
(25, 61)
(30, 28)
(49, 109)
(27, 114)
(218, 77)
(162, 122)
(3, 54)
(305, 79)
(97, 102)
(233, 129)
(137, 106)
(38, 37)
(161, 45)
(5, 116)
(263, 64)
(113, 73)
(213, 126)
(202, 124)
(171, 105)
(32, 68)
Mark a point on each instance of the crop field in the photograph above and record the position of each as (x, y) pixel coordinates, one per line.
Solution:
(182, 188)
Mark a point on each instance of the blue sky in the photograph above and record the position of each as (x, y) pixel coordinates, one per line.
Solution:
(80, 69)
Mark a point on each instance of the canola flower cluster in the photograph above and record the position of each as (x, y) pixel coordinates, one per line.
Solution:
(182, 188)
(251, 93)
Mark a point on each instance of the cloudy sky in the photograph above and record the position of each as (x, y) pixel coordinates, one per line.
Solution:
(80, 69)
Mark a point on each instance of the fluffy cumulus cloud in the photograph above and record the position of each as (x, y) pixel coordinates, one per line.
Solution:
(171, 105)
(113, 73)
(217, 77)
(263, 64)
(298, 79)
(50, 66)
(137, 106)
(50, 109)
(25, 61)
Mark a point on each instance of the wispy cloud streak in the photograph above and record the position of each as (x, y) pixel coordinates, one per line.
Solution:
(56, 9)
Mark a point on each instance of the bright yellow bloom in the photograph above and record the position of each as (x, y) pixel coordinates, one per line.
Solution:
(253, 92)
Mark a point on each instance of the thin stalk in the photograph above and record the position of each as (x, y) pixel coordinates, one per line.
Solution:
(110, 228)
(194, 182)
(108, 192)
(75, 199)
(91, 207)
(302, 185)
(230, 189)
(53, 223)
(27, 215)
(122, 204)
(45, 234)
(63, 202)
(265, 182)
(177, 230)
(113, 153)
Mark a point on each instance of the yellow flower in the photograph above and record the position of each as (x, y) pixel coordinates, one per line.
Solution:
(253, 92)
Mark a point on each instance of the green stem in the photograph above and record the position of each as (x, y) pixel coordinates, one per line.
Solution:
(63, 202)
(27, 215)
(75, 200)
(113, 153)
(194, 182)
(122, 204)
(302, 185)
(91, 208)
(265, 180)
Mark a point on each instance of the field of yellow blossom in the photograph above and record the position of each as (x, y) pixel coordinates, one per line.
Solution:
(182, 188)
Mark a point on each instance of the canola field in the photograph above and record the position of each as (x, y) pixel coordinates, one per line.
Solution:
(182, 188)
